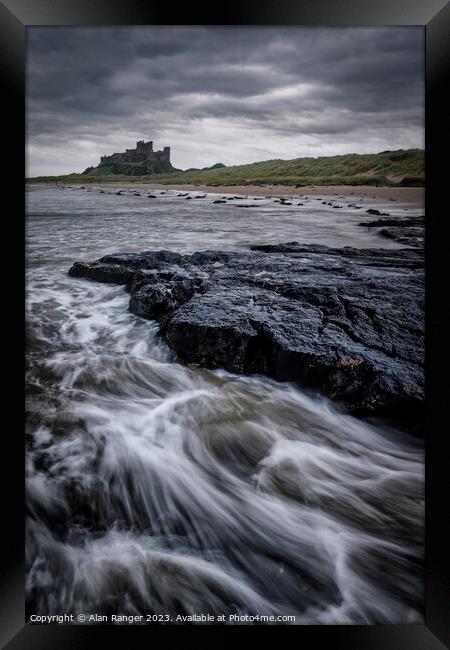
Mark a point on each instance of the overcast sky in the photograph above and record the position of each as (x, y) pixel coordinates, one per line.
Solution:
(230, 95)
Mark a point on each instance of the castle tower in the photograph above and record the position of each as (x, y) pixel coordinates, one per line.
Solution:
(144, 147)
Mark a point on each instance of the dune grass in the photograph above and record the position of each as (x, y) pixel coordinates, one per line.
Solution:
(388, 168)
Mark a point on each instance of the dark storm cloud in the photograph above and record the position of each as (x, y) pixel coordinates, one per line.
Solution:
(232, 95)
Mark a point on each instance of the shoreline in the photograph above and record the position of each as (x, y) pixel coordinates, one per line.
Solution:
(411, 195)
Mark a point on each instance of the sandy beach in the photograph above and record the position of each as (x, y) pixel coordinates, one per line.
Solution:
(413, 195)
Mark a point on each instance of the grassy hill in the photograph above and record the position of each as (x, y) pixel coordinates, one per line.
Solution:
(402, 167)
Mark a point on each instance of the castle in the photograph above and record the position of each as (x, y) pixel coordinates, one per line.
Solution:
(141, 154)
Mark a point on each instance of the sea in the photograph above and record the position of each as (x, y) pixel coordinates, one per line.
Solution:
(171, 493)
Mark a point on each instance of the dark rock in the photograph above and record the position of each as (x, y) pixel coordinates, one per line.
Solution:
(398, 222)
(407, 231)
(377, 212)
(345, 322)
(146, 260)
(158, 301)
(408, 236)
(114, 273)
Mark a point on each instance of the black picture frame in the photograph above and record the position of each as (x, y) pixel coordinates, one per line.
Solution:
(434, 15)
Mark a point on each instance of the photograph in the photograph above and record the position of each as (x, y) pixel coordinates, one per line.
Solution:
(225, 389)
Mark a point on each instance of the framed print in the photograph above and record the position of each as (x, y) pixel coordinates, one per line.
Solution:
(230, 255)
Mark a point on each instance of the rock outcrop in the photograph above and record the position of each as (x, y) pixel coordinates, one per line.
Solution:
(407, 231)
(346, 322)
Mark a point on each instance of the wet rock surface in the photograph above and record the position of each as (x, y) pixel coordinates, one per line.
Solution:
(346, 322)
(408, 231)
